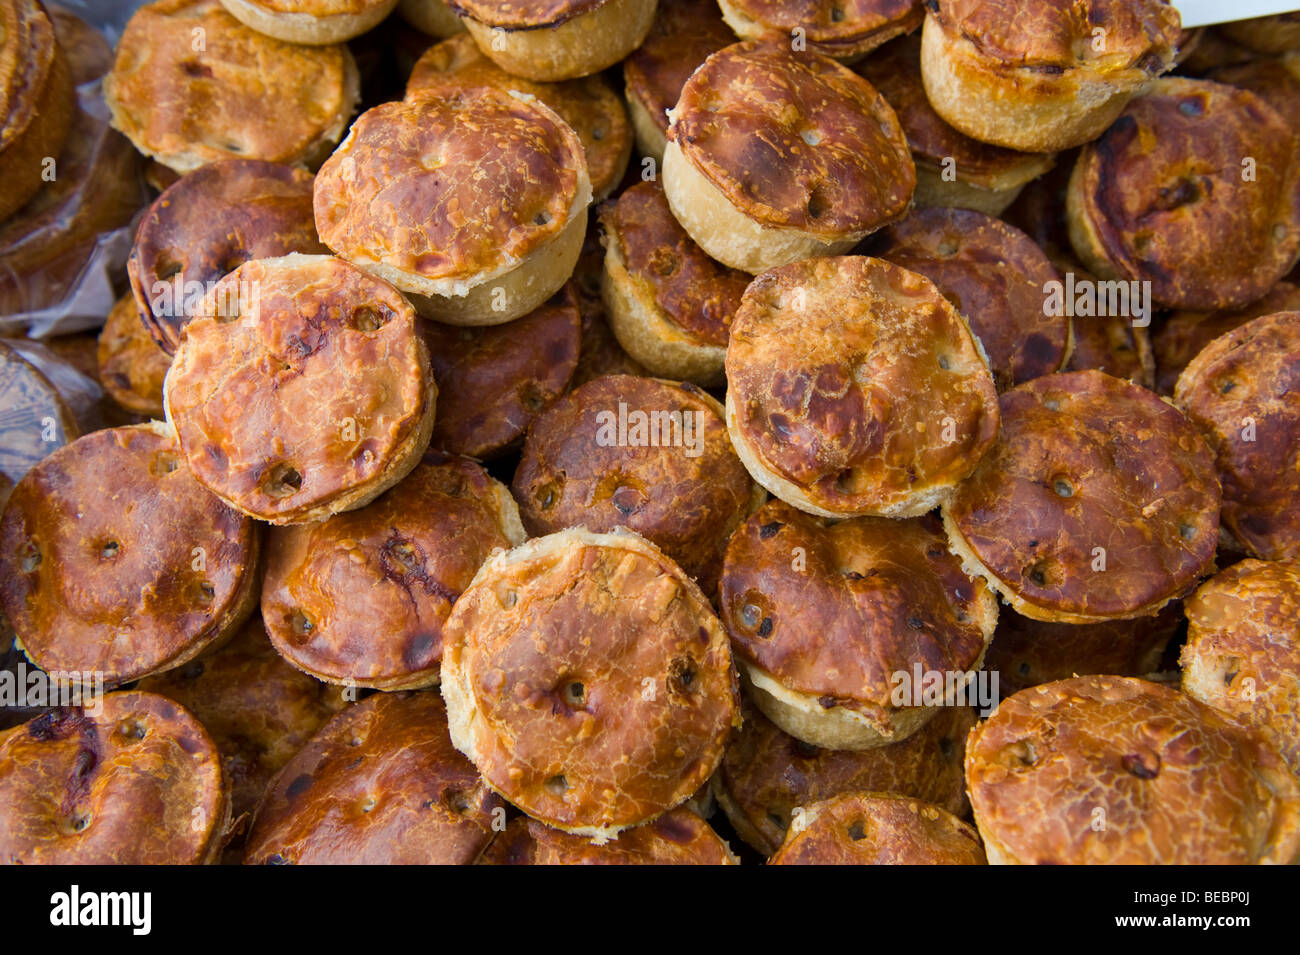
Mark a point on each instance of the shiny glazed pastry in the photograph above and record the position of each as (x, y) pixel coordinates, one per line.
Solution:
(302, 390)
(588, 105)
(1275, 80)
(514, 171)
(1074, 520)
(828, 622)
(774, 157)
(854, 388)
(679, 837)
(1242, 654)
(244, 95)
(137, 783)
(642, 453)
(879, 829)
(951, 168)
(843, 30)
(206, 225)
(1119, 345)
(589, 681)
(766, 773)
(683, 35)
(1104, 769)
(996, 277)
(36, 100)
(132, 366)
(380, 784)
(1195, 189)
(669, 304)
(259, 710)
(1042, 75)
(493, 381)
(153, 570)
(556, 39)
(1241, 392)
(310, 21)
(361, 598)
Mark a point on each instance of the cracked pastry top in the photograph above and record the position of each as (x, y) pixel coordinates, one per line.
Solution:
(823, 617)
(670, 474)
(1074, 519)
(361, 598)
(137, 783)
(843, 29)
(996, 277)
(379, 784)
(206, 225)
(1105, 769)
(152, 572)
(855, 388)
(879, 829)
(1243, 391)
(1195, 189)
(242, 94)
(679, 837)
(302, 390)
(588, 679)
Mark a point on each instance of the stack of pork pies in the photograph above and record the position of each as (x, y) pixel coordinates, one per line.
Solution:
(828, 432)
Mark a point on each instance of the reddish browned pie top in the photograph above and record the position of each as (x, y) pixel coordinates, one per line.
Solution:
(694, 292)
(206, 225)
(676, 481)
(450, 184)
(242, 94)
(587, 104)
(363, 596)
(27, 51)
(89, 54)
(1084, 462)
(795, 141)
(996, 277)
(1166, 192)
(870, 598)
(1175, 782)
(880, 829)
(837, 26)
(895, 70)
(317, 386)
(380, 784)
(131, 367)
(524, 14)
(113, 558)
(1051, 35)
(679, 837)
(1243, 391)
(494, 380)
(856, 380)
(138, 783)
(1275, 80)
(600, 683)
(683, 35)
(766, 774)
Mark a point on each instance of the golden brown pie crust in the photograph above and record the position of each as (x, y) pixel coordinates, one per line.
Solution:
(315, 399)
(588, 679)
(1243, 392)
(1072, 518)
(838, 397)
(879, 829)
(131, 364)
(206, 225)
(139, 783)
(687, 500)
(153, 570)
(1104, 769)
(380, 784)
(361, 598)
(679, 837)
(844, 29)
(1195, 189)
